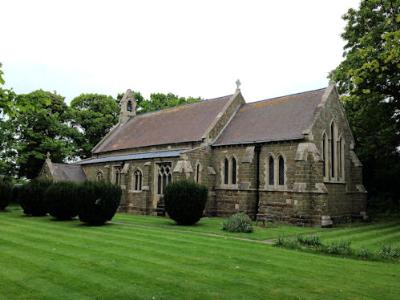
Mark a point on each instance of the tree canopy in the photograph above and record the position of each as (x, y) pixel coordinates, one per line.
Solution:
(92, 115)
(369, 80)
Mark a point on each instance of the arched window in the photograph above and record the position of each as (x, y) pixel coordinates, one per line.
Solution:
(281, 163)
(233, 170)
(198, 173)
(99, 176)
(164, 177)
(333, 150)
(129, 106)
(117, 175)
(340, 157)
(137, 180)
(226, 171)
(271, 170)
(324, 156)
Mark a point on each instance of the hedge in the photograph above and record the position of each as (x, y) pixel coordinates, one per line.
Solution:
(62, 200)
(5, 194)
(31, 197)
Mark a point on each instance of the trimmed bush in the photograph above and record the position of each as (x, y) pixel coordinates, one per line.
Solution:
(31, 197)
(239, 222)
(99, 202)
(62, 200)
(5, 194)
(185, 201)
(388, 252)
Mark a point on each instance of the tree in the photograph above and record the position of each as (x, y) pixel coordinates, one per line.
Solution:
(41, 126)
(158, 101)
(93, 115)
(7, 130)
(369, 80)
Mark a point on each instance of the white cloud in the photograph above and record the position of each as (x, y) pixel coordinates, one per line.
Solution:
(192, 48)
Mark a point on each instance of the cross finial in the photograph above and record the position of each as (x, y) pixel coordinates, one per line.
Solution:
(238, 83)
(48, 155)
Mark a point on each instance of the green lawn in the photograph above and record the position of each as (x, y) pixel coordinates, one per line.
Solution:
(370, 236)
(149, 258)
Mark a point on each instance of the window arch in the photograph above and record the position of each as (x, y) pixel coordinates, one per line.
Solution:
(340, 146)
(226, 171)
(333, 149)
(234, 179)
(129, 106)
(164, 176)
(198, 173)
(99, 176)
(271, 170)
(138, 178)
(281, 170)
(324, 154)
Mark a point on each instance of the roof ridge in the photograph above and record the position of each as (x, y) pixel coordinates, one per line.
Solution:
(288, 95)
(181, 105)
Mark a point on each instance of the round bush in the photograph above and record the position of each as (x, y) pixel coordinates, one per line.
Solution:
(239, 222)
(5, 194)
(31, 197)
(62, 200)
(99, 202)
(185, 201)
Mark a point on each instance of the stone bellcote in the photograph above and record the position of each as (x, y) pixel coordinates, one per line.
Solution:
(127, 106)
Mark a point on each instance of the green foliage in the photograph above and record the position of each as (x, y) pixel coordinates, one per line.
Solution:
(185, 201)
(5, 194)
(369, 80)
(239, 222)
(31, 197)
(99, 202)
(93, 115)
(158, 101)
(309, 240)
(338, 248)
(62, 200)
(364, 253)
(40, 129)
(389, 252)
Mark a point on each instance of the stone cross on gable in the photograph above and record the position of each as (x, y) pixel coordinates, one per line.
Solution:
(238, 83)
(48, 155)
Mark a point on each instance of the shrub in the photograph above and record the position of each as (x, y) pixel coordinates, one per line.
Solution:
(364, 253)
(310, 241)
(338, 248)
(31, 197)
(185, 201)
(99, 202)
(239, 222)
(62, 200)
(5, 194)
(388, 252)
(287, 243)
(15, 193)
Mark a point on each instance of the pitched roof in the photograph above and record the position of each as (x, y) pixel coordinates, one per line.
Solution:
(185, 123)
(276, 119)
(65, 172)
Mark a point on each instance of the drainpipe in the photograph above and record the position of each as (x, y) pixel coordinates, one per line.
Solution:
(257, 151)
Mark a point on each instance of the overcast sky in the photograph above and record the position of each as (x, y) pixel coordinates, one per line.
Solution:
(191, 48)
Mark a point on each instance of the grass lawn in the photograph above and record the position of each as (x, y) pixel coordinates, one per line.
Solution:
(370, 236)
(149, 258)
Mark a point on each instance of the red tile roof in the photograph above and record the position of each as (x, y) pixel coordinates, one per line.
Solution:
(185, 123)
(276, 119)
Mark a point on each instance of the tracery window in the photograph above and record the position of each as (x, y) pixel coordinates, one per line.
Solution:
(129, 106)
(99, 176)
(137, 180)
(164, 177)
(117, 175)
(333, 149)
(324, 155)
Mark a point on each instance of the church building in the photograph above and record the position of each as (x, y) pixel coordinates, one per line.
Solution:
(288, 159)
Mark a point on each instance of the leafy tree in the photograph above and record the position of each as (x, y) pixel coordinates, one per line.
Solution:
(7, 151)
(93, 115)
(41, 126)
(369, 80)
(158, 101)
